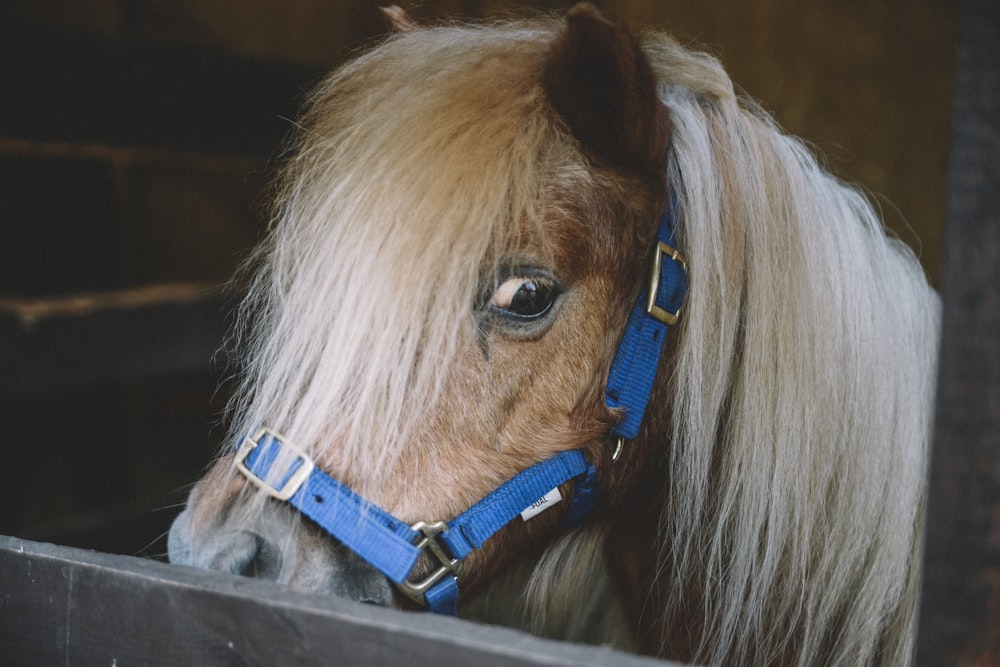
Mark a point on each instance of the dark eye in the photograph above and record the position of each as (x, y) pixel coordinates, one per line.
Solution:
(525, 297)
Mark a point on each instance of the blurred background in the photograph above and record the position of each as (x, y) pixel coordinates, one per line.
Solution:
(137, 141)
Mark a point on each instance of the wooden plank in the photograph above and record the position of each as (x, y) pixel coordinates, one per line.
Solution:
(128, 156)
(76, 342)
(67, 606)
(960, 613)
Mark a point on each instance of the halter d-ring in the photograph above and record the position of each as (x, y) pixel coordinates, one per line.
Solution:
(619, 445)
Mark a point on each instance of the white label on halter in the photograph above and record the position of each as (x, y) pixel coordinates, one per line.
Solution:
(548, 500)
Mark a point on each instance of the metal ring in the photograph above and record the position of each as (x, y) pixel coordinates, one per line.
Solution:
(618, 448)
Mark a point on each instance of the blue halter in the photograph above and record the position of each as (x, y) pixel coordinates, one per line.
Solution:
(393, 546)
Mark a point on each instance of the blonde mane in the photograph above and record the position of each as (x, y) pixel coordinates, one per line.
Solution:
(802, 410)
(803, 381)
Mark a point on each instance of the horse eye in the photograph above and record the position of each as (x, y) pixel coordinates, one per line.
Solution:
(525, 297)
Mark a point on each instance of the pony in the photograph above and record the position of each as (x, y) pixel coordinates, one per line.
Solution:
(462, 227)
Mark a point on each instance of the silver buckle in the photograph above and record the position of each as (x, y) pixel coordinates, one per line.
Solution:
(417, 590)
(293, 483)
(662, 314)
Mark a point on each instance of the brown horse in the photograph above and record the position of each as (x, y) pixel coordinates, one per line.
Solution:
(460, 241)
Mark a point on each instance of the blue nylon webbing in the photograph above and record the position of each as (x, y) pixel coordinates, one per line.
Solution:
(442, 597)
(633, 370)
(472, 528)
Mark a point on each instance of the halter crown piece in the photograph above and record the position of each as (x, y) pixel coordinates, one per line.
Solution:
(392, 546)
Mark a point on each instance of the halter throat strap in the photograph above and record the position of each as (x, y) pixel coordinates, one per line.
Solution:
(391, 545)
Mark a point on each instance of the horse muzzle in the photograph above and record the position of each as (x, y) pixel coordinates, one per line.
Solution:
(282, 551)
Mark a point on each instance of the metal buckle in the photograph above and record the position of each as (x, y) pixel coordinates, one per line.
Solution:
(294, 482)
(417, 591)
(662, 314)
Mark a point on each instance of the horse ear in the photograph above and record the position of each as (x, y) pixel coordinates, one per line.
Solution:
(599, 80)
(400, 20)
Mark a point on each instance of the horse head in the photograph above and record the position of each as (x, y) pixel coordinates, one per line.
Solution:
(462, 233)
(471, 223)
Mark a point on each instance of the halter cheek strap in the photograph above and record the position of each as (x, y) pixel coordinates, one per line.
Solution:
(658, 306)
(391, 545)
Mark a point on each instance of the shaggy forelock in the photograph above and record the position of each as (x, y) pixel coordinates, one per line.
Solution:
(409, 181)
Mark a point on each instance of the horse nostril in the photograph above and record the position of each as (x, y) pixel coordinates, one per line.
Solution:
(265, 562)
(357, 580)
(248, 554)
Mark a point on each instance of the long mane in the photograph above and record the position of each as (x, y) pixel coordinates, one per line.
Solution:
(803, 394)
(802, 401)
(803, 381)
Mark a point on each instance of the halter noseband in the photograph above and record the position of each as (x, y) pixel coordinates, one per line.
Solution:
(392, 546)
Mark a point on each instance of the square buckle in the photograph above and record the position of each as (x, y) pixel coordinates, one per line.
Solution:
(661, 314)
(295, 480)
(417, 590)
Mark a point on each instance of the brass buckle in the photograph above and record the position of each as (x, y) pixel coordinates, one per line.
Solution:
(294, 482)
(662, 314)
(417, 590)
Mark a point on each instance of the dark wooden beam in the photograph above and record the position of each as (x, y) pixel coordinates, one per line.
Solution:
(68, 606)
(77, 342)
(960, 611)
